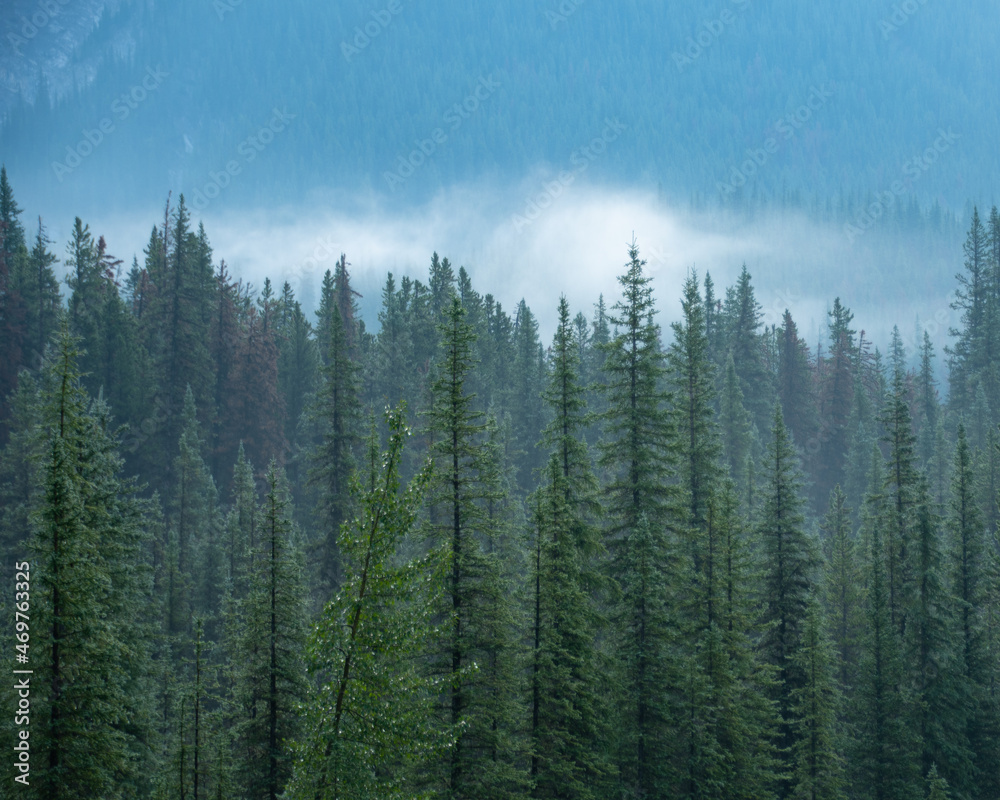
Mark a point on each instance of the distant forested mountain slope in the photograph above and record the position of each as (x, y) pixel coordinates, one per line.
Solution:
(497, 90)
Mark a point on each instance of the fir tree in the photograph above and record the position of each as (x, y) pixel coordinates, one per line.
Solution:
(692, 381)
(639, 453)
(789, 564)
(475, 604)
(843, 589)
(336, 416)
(271, 678)
(569, 738)
(818, 768)
(90, 736)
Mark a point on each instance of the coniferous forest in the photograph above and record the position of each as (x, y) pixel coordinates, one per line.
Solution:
(282, 554)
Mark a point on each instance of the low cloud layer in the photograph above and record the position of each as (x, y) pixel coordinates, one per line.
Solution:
(524, 242)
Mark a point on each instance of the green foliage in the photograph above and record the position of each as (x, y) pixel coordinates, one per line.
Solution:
(369, 712)
(90, 586)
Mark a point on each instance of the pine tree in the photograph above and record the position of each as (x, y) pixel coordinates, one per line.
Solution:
(967, 357)
(795, 382)
(885, 759)
(90, 655)
(298, 362)
(195, 522)
(836, 395)
(639, 453)
(743, 315)
(927, 402)
(942, 695)
(475, 610)
(789, 563)
(692, 383)
(41, 295)
(336, 418)
(528, 383)
(735, 427)
(843, 589)
(901, 486)
(969, 579)
(271, 678)
(816, 756)
(14, 333)
(937, 787)
(569, 736)
(182, 317)
(724, 740)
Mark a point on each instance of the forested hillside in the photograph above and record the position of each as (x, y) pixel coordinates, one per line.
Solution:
(852, 92)
(431, 555)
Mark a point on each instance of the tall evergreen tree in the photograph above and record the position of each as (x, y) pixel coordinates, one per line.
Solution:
(90, 584)
(967, 357)
(569, 736)
(885, 757)
(271, 678)
(692, 382)
(790, 561)
(476, 615)
(336, 419)
(643, 510)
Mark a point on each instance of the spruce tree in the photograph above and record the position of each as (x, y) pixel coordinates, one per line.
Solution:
(843, 588)
(270, 682)
(692, 380)
(639, 452)
(969, 573)
(475, 648)
(790, 560)
(569, 736)
(885, 759)
(901, 487)
(817, 762)
(89, 587)
(335, 416)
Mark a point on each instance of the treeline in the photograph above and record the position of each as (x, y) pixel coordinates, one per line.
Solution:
(698, 563)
